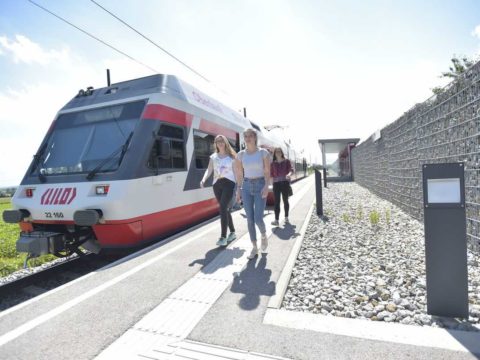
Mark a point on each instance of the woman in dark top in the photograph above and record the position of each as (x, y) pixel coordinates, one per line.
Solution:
(280, 172)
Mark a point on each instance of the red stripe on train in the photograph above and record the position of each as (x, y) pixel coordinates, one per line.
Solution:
(117, 233)
(130, 232)
(216, 129)
(168, 114)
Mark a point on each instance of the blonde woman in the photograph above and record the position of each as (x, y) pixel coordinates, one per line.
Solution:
(252, 169)
(222, 165)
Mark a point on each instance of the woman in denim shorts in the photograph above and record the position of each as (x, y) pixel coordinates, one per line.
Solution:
(253, 177)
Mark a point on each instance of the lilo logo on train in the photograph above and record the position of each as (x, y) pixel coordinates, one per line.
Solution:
(120, 166)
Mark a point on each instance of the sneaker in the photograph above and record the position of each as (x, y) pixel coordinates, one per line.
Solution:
(222, 242)
(253, 253)
(231, 237)
(287, 221)
(264, 243)
(275, 223)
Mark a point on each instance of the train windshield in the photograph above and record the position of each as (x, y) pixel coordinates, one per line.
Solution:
(81, 141)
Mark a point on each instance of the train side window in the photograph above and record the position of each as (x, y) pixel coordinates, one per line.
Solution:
(168, 151)
(203, 148)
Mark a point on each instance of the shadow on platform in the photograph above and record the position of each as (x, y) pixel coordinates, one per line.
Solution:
(466, 328)
(227, 257)
(287, 232)
(254, 281)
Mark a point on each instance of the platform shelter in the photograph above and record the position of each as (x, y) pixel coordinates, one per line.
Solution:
(336, 158)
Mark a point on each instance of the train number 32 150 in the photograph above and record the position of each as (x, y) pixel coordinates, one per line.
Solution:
(54, 215)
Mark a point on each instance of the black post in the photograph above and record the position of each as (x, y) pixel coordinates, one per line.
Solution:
(445, 239)
(318, 192)
(324, 177)
(108, 77)
(245, 112)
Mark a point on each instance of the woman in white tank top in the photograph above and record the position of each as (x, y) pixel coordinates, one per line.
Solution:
(221, 164)
(252, 169)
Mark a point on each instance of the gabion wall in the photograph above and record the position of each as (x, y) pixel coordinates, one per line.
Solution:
(445, 128)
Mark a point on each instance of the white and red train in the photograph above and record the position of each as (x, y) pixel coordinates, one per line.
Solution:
(121, 166)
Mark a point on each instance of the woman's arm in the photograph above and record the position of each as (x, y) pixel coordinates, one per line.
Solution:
(207, 174)
(266, 172)
(238, 170)
(289, 169)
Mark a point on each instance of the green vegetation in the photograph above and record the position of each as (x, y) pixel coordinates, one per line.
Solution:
(360, 213)
(460, 65)
(5, 200)
(346, 217)
(10, 259)
(387, 216)
(374, 217)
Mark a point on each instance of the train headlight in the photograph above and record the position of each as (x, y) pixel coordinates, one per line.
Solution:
(102, 189)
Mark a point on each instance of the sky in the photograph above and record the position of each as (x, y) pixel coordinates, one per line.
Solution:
(322, 69)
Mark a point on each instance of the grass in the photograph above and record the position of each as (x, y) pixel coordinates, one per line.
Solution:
(10, 259)
(374, 217)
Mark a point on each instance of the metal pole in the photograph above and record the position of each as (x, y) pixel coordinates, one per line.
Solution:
(108, 77)
(318, 192)
(324, 177)
(245, 112)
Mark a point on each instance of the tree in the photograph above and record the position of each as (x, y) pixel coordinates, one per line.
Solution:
(459, 67)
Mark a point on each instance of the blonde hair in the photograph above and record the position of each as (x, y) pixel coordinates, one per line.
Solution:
(253, 131)
(228, 148)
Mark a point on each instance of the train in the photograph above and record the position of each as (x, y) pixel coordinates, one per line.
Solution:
(121, 166)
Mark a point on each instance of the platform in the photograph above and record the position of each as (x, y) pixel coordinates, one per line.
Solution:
(187, 299)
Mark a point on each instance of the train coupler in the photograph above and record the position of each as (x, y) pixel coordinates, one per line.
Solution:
(38, 243)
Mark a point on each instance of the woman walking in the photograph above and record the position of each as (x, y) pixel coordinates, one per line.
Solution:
(252, 169)
(280, 171)
(222, 165)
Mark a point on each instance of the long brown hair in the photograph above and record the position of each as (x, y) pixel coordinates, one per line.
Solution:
(228, 148)
(274, 155)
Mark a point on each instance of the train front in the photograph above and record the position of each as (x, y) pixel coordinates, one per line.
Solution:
(76, 177)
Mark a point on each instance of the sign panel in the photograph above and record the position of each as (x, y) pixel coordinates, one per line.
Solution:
(443, 191)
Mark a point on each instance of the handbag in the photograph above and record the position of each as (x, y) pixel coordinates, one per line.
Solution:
(290, 190)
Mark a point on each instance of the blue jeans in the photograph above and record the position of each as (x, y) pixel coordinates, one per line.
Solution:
(254, 205)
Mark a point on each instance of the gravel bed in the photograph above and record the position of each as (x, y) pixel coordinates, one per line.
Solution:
(352, 266)
(32, 270)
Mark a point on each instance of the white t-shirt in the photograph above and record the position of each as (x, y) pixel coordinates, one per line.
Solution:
(253, 163)
(222, 167)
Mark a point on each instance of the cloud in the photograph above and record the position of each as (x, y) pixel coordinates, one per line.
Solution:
(476, 31)
(26, 51)
(28, 108)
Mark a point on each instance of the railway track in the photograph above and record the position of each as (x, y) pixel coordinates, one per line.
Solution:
(37, 283)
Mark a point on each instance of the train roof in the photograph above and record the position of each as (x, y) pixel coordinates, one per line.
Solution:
(160, 83)
(172, 86)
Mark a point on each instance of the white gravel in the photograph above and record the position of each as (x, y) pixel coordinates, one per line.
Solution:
(351, 267)
(32, 270)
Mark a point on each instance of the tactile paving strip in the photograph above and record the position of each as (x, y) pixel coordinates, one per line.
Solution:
(175, 317)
